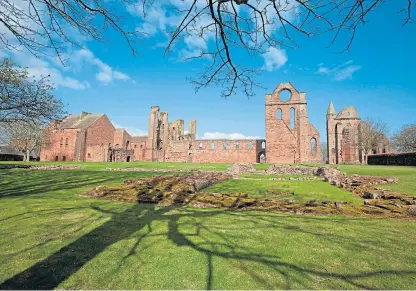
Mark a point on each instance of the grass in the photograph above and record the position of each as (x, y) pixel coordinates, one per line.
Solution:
(406, 175)
(271, 176)
(303, 191)
(141, 164)
(54, 238)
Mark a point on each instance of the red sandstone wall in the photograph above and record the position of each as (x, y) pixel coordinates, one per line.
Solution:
(97, 153)
(202, 152)
(287, 143)
(121, 137)
(55, 149)
(99, 135)
(139, 149)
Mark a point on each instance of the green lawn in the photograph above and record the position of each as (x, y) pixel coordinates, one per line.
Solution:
(271, 176)
(51, 237)
(303, 191)
(140, 164)
(406, 175)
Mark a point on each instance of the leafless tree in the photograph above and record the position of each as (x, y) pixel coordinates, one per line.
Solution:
(371, 134)
(25, 99)
(51, 26)
(225, 27)
(228, 27)
(28, 137)
(405, 139)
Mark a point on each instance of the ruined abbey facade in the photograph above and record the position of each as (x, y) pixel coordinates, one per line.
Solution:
(290, 137)
(343, 130)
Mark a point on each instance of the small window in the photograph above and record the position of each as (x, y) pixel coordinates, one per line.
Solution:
(237, 145)
(135, 146)
(89, 155)
(384, 150)
(66, 141)
(263, 144)
(225, 145)
(201, 145)
(56, 158)
(64, 158)
(62, 141)
(279, 114)
(212, 145)
(250, 145)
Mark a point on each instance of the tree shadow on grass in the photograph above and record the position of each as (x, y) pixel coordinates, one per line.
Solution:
(24, 182)
(208, 239)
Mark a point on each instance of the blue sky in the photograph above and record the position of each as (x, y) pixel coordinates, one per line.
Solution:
(377, 76)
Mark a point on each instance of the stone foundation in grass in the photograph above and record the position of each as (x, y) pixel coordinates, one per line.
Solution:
(185, 190)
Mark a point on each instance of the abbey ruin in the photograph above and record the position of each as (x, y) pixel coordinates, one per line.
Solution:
(290, 137)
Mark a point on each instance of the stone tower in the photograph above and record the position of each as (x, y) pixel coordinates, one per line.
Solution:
(290, 137)
(342, 135)
(330, 133)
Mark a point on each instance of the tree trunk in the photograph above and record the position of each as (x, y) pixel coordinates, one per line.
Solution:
(27, 156)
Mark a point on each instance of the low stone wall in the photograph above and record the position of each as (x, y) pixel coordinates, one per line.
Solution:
(400, 159)
(291, 170)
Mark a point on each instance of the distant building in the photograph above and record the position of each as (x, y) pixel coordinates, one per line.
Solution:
(342, 137)
(8, 153)
(87, 137)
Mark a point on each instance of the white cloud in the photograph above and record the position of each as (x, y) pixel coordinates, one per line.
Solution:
(339, 73)
(274, 59)
(221, 135)
(37, 68)
(106, 74)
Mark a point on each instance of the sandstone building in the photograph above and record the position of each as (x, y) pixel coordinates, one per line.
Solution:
(343, 131)
(290, 138)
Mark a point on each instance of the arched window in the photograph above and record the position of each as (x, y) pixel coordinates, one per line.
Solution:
(250, 145)
(212, 145)
(201, 145)
(313, 145)
(66, 141)
(225, 145)
(292, 117)
(279, 114)
(127, 144)
(263, 144)
(62, 141)
(237, 145)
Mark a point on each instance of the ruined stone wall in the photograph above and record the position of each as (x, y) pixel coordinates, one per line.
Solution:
(313, 153)
(120, 155)
(62, 145)
(122, 139)
(221, 151)
(151, 144)
(138, 147)
(288, 132)
(342, 136)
